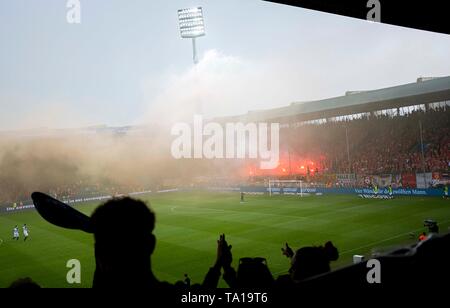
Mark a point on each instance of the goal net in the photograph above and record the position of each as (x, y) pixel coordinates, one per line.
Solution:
(285, 187)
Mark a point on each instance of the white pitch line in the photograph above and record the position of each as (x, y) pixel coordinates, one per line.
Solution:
(378, 242)
(1, 241)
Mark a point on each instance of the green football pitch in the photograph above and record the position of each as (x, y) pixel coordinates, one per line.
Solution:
(189, 223)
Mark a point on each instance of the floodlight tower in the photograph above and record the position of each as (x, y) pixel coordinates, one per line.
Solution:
(192, 26)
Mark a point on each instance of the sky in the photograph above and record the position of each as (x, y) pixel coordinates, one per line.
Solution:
(125, 63)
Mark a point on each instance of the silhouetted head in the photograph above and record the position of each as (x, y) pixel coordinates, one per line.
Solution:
(312, 261)
(124, 242)
(254, 273)
(331, 251)
(24, 283)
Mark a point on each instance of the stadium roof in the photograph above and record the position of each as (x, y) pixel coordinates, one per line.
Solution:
(425, 90)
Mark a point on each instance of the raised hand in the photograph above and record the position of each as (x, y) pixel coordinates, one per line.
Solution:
(287, 251)
(224, 256)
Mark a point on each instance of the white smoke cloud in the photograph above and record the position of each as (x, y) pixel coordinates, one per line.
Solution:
(222, 85)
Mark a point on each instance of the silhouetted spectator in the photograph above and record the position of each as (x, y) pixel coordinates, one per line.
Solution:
(24, 283)
(252, 272)
(308, 262)
(223, 260)
(187, 280)
(124, 242)
(287, 251)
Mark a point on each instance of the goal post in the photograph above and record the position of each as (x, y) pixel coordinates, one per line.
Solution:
(298, 184)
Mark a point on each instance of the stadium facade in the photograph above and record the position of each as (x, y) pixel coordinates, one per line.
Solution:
(424, 94)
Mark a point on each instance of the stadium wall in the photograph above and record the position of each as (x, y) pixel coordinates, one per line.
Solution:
(71, 201)
(430, 192)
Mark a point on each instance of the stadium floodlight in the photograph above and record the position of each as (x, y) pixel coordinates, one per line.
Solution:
(192, 26)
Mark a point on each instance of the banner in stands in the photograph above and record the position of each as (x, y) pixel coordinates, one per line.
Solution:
(346, 178)
(430, 192)
(408, 180)
(440, 179)
(424, 180)
(364, 180)
(397, 181)
(383, 180)
(445, 178)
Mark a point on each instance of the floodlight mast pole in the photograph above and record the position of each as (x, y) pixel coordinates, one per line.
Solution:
(194, 51)
(192, 26)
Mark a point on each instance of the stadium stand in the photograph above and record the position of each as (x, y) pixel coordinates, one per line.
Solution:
(365, 133)
(378, 145)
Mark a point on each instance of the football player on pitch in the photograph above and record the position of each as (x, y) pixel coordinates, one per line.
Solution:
(16, 233)
(25, 232)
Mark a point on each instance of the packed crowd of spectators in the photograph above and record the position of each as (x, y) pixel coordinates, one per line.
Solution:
(376, 144)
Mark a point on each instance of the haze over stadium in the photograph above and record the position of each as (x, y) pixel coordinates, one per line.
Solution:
(87, 110)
